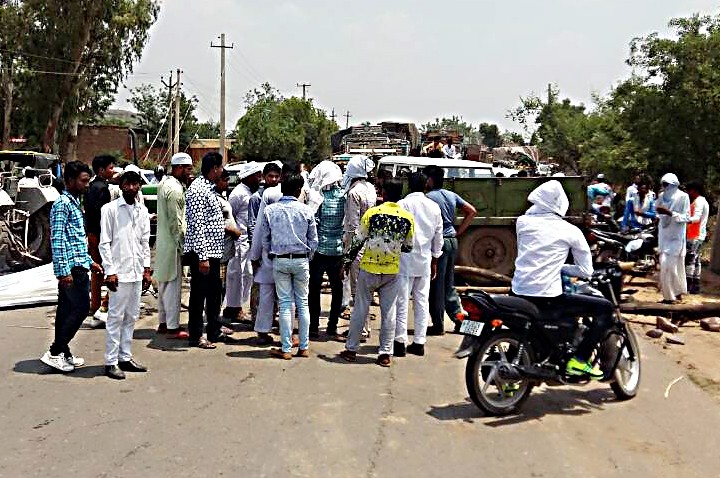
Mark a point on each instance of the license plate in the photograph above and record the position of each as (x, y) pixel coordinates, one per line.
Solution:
(470, 327)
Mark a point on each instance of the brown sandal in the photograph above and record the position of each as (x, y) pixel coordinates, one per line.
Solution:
(203, 343)
(383, 360)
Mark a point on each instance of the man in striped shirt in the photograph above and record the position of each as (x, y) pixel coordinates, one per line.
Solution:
(71, 264)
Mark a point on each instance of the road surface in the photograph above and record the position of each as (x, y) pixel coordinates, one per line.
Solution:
(235, 412)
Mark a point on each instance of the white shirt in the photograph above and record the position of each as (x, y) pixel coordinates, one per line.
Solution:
(125, 239)
(544, 241)
(449, 151)
(428, 238)
(239, 199)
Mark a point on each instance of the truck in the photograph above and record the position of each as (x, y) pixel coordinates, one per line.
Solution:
(490, 242)
(383, 139)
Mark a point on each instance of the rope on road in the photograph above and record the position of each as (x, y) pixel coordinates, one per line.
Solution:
(667, 390)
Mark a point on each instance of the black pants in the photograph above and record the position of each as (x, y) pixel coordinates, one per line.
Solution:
(443, 297)
(332, 265)
(205, 295)
(73, 306)
(576, 305)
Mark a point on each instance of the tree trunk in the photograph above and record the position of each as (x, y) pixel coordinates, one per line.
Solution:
(681, 312)
(478, 276)
(7, 88)
(71, 81)
(715, 257)
(68, 144)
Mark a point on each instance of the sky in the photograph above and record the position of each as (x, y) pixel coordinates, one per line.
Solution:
(401, 60)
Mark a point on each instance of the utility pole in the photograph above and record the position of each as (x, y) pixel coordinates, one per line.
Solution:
(176, 142)
(347, 119)
(333, 115)
(222, 47)
(304, 86)
(170, 86)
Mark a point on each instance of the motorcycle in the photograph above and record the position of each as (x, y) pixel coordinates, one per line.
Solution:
(637, 246)
(511, 346)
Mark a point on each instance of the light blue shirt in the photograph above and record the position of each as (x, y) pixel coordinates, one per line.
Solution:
(288, 228)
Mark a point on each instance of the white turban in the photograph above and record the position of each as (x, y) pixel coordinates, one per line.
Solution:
(325, 174)
(357, 167)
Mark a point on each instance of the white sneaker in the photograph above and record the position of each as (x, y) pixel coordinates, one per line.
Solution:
(57, 362)
(93, 323)
(101, 315)
(75, 361)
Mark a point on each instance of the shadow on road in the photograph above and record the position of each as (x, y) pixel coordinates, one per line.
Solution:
(547, 401)
(36, 367)
(160, 342)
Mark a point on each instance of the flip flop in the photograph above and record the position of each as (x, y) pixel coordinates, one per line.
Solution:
(203, 343)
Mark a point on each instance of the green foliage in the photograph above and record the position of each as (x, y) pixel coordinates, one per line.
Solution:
(208, 129)
(490, 134)
(454, 123)
(513, 138)
(277, 128)
(71, 56)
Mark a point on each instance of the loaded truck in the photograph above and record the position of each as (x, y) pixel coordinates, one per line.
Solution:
(490, 242)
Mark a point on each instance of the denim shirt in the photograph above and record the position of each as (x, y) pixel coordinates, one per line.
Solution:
(288, 228)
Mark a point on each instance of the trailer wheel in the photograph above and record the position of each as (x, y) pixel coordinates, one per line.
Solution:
(492, 248)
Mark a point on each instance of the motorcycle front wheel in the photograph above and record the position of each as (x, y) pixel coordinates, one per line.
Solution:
(487, 378)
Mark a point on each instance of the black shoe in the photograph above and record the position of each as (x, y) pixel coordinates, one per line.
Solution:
(416, 349)
(114, 372)
(227, 340)
(314, 334)
(435, 331)
(398, 349)
(331, 331)
(132, 366)
(264, 340)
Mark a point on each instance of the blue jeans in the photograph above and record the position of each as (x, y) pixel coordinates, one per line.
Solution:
(292, 277)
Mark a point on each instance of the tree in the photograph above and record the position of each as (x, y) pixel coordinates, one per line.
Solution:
(453, 123)
(208, 129)
(490, 134)
(513, 138)
(77, 53)
(152, 107)
(12, 35)
(277, 128)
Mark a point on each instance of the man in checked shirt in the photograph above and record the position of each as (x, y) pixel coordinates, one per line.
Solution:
(71, 263)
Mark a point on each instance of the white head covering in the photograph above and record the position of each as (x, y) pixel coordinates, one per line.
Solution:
(248, 169)
(550, 198)
(673, 184)
(181, 159)
(324, 175)
(357, 167)
(132, 167)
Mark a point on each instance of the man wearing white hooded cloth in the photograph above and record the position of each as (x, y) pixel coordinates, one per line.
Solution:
(239, 270)
(544, 241)
(361, 196)
(673, 206)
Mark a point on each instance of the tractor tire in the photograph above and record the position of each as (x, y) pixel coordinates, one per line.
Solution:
(11, 259)
(492, 248)
(39, 235)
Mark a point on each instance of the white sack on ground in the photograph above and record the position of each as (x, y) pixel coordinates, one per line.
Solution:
(33, 286)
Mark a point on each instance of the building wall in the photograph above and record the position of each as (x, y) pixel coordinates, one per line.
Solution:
(94, 140)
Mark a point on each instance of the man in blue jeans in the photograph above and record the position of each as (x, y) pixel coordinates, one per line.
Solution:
(289, 235)
(443, 297)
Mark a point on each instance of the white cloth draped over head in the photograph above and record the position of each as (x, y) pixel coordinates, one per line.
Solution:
(323, 176)
(671, 186)
(249, 169)
(548, 198)
(358, 167)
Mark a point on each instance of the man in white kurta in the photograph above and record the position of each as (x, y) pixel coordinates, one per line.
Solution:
(239, 270)
(673, 207)
(169, 244)
(125, 251)
(418, 266)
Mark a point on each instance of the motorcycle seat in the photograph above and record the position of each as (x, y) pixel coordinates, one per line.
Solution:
(516, 305)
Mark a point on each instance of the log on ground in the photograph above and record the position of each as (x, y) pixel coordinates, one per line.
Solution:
(676, 312)
(479, 276)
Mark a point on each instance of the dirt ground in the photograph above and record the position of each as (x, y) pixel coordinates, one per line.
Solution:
(701, 352)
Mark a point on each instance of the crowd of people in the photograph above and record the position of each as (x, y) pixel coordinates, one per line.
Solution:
(263, 249)
(681, 215)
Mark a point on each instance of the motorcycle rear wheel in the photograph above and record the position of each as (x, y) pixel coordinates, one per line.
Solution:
(493, 394)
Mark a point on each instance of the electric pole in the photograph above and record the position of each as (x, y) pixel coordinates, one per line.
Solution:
(304, 86)
(176, 142)
(333, 115)
(169, 122)
(347, 119)
(222, 47)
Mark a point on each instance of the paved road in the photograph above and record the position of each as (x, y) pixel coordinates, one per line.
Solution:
(234, 412)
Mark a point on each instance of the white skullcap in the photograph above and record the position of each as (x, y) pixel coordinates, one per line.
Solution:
(181, 159)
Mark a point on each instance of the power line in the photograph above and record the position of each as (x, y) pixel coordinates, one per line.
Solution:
(249, 66)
